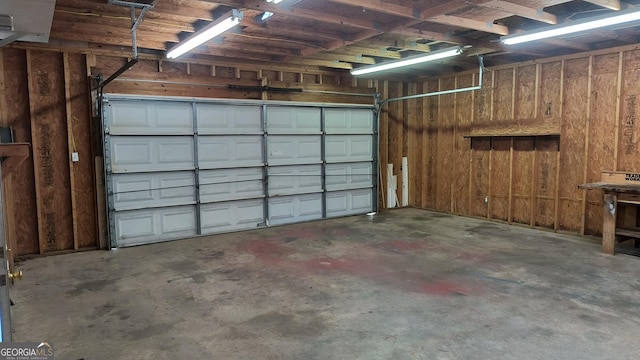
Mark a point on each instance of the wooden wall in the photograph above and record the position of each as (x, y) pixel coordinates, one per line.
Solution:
(524, 142)
(55, 205)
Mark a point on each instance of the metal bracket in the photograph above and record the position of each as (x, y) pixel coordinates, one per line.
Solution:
(135, 22)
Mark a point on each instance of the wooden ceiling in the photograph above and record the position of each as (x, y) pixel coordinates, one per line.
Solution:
(342, 34)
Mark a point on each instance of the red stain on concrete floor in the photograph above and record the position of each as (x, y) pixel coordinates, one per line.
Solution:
(372, 265)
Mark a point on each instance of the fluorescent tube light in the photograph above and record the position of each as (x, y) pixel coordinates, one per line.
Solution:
(573, 27)
(412, 60)
(222, 24)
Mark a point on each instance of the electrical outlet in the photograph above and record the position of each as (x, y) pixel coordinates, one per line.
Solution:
(486, 199)
(75, 157)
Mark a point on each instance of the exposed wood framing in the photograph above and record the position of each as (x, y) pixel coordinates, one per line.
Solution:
(72, 149)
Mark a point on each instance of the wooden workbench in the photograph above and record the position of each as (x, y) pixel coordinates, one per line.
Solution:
(619, 188)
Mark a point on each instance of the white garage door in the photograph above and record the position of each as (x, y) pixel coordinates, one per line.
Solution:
(177, 167)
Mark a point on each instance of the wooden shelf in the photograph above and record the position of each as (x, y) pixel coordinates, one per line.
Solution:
(508, 135)
(631, 232)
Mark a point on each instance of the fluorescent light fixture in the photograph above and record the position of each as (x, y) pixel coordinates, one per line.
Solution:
(412, 60)
(275, 1)
(222, 24)
(574, 27)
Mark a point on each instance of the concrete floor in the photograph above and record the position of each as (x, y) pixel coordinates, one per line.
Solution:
(406, 284)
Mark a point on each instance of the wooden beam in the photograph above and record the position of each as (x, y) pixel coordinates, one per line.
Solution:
(609, 224)
(431, 35)
(444, 8)
(524, 11)
(358, 59)
(71, 146)
(13, 155)
(469, 24)
(363, 51)
(160, 12)
(401, 45)
(587, 138)
(325, 63)
(556, 205)
(322, 16)
(14, 150)
(42, 240)
(619, 89)
(380, 6)
(608, 4)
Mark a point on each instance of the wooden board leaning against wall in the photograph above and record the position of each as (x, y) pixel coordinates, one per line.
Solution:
(57, 205)
(517, 149)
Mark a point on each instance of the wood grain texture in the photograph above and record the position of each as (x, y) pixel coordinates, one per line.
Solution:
(445, 146)
(500, 178)
(85, 194)
(480, 176)
(629, 128)
(464, 114)
(522, 179)
(50, 150)
(414, 145)
(601, 139)
(545, 181)
(572, 143)
(431, 160)
(23, 179)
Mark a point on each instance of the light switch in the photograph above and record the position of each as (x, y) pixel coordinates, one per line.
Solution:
(75, 157)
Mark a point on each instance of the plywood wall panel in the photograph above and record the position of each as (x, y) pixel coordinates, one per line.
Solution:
(550, 90)
(415, 128)
(545, 181)
(629, 123)
(431, 145)
(50, 149)
(23, 179)
(83, 171)
(483, 100)
(601, 133)
(464, 114)
(523, 149)
(446, 160)
(500, 163)
(503, 99)
(525, 105)
(481, 149)
(572, 143)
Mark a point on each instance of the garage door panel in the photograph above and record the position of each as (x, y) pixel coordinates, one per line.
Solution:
(159, 190)
(298, 120)
(291, 209)
(151, 225)
(299, 179)
(228, 119)
(345, 148)
(135, 191)
(232, 216)
(350, 202)
(230, 184)
(349, 176)
(289, 150)
(217, 152)
(345, 121)
(147, 153)
(155, 117)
